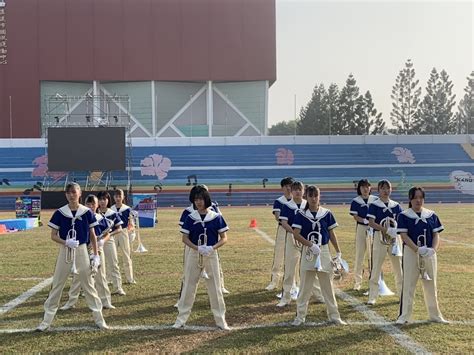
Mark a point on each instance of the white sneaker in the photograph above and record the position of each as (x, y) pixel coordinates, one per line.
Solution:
(108, 306)
(371, 302)
(271, 286)
(224, 327)
(66, 307)
(133, 282)
(319, 299)
(204, 275)
(176, 304)
(177, 325)
(279, 295)
(339, 322)
(102, 326)
(294, 293)
(282, 304)
(297, 322)
(225, 291)
(42, 327)
(400, 321)
(119, 292)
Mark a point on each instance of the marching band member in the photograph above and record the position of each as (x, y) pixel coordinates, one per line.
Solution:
(292, 247)
(279, 251)
(204, 231)
(382, 212)
(121, 240)
(359, 208)
(186, 212)
(72, 226)
(313, 226)
(103, 228)
(419, 228)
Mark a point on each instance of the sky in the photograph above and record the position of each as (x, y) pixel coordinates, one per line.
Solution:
(322, 41)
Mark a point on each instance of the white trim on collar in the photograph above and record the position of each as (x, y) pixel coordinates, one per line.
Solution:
(66, 211)
(190, 209)
(122, 209)
(109, 212)
(425, 214)
(292, 205)
(99, 217)
(361, 201)
(391, 204)
(210, 215)
(320, 214)
(282, 199)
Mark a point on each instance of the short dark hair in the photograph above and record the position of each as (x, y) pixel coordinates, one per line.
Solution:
(205, 195)
(90, 198)
(286, 181)
(104, 195)
(412, 193)
(121, 193)
(362, 182)
(195, 189)
(297, 185)
(382, 183)
(73, 185)
(311, 190)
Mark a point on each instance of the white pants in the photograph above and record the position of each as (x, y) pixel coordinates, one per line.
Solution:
(360, 250)
(292, 260)
(379, 252)
(308, 277)
(123, 243)
(111, 259)
(410, 278)
(214, 289)
(100, 283)
(278, 256)
(61, 273)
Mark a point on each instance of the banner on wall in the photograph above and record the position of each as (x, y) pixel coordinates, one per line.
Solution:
(462, 181)
(145, 205)
(28, 207)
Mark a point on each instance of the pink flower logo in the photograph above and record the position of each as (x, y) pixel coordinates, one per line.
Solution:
(404, 155)
(41, 169)
(155, 165)
(284, 156)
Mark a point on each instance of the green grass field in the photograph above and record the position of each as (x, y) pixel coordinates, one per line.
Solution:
(28, 257)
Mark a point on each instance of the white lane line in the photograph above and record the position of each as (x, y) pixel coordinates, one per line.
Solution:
(264, 236)
(203, 328)
(459, 243)
(27, 278)
(23, 297)
(401, 338)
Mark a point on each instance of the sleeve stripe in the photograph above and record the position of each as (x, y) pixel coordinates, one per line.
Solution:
(185, 231)
(283, 218)
(180, 223)
(370, 216)
(402, 230)
(296, 226)
(439, 229)
(333, 226)
(355, 213)
(222, 230)
(93, 224)
(52, 225)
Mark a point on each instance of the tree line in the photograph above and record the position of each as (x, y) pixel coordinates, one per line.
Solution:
(346, 111)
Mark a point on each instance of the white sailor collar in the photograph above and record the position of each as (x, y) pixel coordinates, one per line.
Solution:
(292, 204)
(123, 208)
(391, 204)
(362, 203)
(425, 214)
(109, 212)
(99, 217)
(66, 211)
(282, 199)
(319, 214)
(210, 215)
(190, 209)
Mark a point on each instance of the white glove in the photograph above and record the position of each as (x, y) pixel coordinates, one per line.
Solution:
(100, 243)
(430, 252)
(392, 232)
(202, 249)
(315, 249)
(95, 261)
(423, 251)
(339, 257)
(71, 243)
(209, 249)
(131, 236)
(365, 221)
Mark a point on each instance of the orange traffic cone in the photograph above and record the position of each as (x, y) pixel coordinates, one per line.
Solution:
(253, 223)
